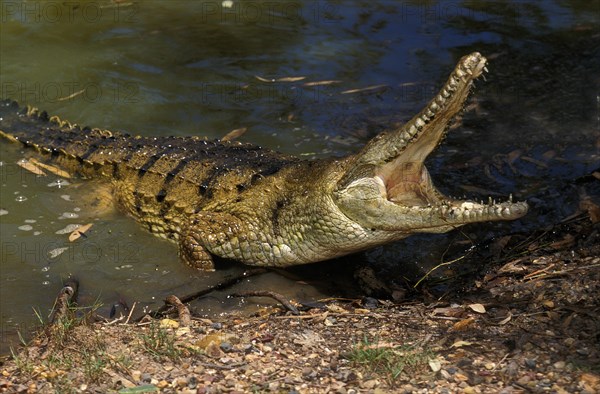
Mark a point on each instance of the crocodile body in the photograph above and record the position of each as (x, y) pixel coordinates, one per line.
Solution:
(243, 202)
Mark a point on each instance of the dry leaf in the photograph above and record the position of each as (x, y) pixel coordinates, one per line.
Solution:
(511, 267)
(284, 79)
(463, 324)
(461, 377)
(233, 134)
(590, 379)
(592, 209)
(534, 161)
(435, 365)
(513, 156)
(479, 308)
(31, 167)
(53, 169)
(567, 241)
(449, 311)
(380, 345)
(169, 323)
(321, 83)
(336, 309)
(71, 95)
(505, 320)
(458, 344)
(290, 79)
(367, 89)
(548, 304)
(78, 232)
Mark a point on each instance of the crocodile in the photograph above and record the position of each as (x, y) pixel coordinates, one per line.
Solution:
(243, 202)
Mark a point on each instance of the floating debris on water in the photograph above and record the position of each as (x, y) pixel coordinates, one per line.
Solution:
(3, 212)
(59, 183)
(20, 198)
(30, 220)
(76, 209)
(53, 169)
(66, 197)
(54, 253)
(69, 229)
(25, 227)
(79, 232)
(69, 215)
(37, 232)
(25, 164)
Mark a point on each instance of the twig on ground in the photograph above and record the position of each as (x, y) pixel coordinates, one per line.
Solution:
(182, 311)
(271, 294)
(219, 286)
(130, 312)
(61, 304)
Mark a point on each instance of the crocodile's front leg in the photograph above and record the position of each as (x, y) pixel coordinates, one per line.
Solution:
(194, 254)
(213, 233)
(205, 228)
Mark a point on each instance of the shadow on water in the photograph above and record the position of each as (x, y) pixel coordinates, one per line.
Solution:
(195, 68)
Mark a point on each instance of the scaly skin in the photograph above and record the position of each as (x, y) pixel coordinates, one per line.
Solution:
(259, 207)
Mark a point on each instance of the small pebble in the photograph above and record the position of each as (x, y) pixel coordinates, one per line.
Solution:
(560, 365)
(136, 375)
(162, 384)
(226, 347)
(370, 302)
(192, 382)
(530, 363)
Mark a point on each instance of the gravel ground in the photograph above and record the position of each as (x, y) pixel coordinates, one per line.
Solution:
(529, 325)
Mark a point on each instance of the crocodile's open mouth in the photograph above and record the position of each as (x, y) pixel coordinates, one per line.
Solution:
(402, 176)
(387, 186)
(405, 177)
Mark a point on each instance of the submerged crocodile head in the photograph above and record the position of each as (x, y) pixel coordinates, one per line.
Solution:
(388, 188)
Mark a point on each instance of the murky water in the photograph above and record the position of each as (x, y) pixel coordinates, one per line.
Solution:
(202, 68)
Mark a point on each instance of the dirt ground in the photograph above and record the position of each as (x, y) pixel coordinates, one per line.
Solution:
(528, 325)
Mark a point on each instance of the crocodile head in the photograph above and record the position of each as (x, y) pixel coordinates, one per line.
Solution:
(387, 187)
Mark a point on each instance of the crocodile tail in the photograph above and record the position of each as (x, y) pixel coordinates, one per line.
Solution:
(69, 143)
